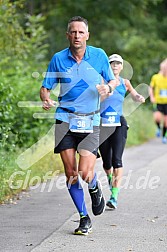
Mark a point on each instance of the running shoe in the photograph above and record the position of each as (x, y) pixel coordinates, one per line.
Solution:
(164, 140)
(98, 202)
(85, 226)
(158, 133)
(112, 203)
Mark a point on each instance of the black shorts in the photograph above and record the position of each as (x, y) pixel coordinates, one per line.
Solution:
(65, 139)
(112, 144)
(162, 108)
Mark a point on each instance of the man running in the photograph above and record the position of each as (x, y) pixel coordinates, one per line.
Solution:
(79, 69)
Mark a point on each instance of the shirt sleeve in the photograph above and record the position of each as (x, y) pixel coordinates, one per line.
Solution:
(51, 79)
(107, 72)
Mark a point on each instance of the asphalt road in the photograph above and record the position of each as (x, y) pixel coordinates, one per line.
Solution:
(43, 219)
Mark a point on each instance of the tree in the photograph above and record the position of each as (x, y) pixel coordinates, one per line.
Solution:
(22, 51)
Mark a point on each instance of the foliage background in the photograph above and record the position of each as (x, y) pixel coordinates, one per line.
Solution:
(31, 31)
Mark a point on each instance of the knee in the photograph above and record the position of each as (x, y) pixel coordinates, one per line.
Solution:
(117, 164)
(86, 176)
(71, 176)
(107, 165)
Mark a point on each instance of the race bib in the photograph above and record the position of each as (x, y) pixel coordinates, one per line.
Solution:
(81, 123)
(111, 119)
(163, 93)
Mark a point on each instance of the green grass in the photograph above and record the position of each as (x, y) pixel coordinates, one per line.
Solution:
(14, 179)
(141, 126)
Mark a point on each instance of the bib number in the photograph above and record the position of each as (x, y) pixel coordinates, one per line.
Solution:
(81, 123)
(111, 119)
(163, 93)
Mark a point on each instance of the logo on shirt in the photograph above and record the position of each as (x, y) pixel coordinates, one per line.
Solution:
(69, 70)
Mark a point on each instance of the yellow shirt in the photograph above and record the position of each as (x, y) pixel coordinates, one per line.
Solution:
(159, 84)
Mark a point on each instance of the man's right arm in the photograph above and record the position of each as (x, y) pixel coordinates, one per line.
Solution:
(45, 97)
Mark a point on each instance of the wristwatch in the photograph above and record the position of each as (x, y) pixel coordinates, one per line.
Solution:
(110, 89)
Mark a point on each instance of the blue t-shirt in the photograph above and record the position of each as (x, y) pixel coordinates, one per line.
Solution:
(78, 82)
(112, 107)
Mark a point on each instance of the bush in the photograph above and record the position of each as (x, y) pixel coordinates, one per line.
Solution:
(23, 52)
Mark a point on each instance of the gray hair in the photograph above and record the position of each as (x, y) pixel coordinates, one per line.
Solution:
(77, 19)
